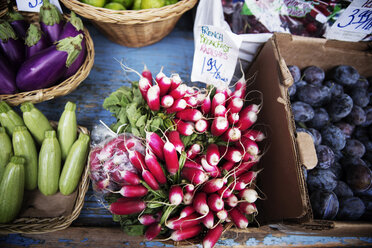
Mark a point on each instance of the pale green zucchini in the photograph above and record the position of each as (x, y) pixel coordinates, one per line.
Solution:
(6, 150)
(9, 118)
(67, 128)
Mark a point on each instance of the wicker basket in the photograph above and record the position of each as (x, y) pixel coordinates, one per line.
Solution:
(44, 225)
(133, 28)
(63, 88)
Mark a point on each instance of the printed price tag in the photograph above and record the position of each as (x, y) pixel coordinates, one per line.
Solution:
(354, 23)
(34, 5)
(215, 56)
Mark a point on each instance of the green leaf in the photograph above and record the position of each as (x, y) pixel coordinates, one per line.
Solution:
(134, 230)
(122, 116)
(132, 113)
(110, 101)
(135, 132)
(155, 124)
(116, 218)
(141, 122)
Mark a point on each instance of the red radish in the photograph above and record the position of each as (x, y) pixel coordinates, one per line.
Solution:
(189, 115)
(215, 203)
(144, 85)
(146, 73)
(186, 211)
(179, 92)
(213, 170)
(191, 101)
(192, 164)
(222, 214)
(164, 85)
(178, 105)
(147, 219)
(188, 198)
(243, 167)
(152, 231)
(160, 75)
(175, 81)
(254, 135)
(171, 158)
(249, 195)
(219, 126)
(213, 154)
(153, 98)
(150, 179)
(248, 208)
(154, 167)
(233, 118)
(238, 218)
(239, 185)
(213, 185)
(200, 97)
(195, 176)
(250, 146)
(233, 155)
(212, 236)
(167, 101)
(248, 177)
(224, 192)
(200, 203)
(235, 105)
(224, 90)
(184, 128)
(133, 191)
(130, 177)
(128, 144)
(238, 93)
(232, 134)
(220, 110)
(186, 233)
(175, 195)
(93, 156)
(193, 151)
(208, 220)
(109, 149)
(129, 206)
(177, 223)
(156, 144)
(201, 125)
(218, 99)
(253, 107)
(189, 187)
(232, 201)
(102, 185)
(246, 119)
(206, 106)
(175, 139)
(228, 165)
(190, 91)
(137, 159)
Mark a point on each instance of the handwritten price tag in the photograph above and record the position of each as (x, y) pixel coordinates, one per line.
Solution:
(354, 23)
(34, 5)
(215, 56)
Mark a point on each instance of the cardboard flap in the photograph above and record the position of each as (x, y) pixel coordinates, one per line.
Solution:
(307, 151)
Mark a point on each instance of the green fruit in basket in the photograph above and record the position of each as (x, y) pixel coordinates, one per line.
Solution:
(169, 2)
(115, 6)
(149, 4)
(137, 5)
(95, 3)
(126, 3)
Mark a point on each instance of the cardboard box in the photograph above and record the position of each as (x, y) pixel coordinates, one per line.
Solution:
(282, 180)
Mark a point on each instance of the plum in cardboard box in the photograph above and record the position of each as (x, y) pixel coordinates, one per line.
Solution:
(282, 179)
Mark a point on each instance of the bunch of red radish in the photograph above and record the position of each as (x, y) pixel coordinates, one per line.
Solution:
(194, 188)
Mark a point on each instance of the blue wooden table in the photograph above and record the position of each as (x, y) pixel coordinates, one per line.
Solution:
(94, 227)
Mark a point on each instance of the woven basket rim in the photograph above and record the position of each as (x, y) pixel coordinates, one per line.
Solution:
(61, 89)
(51, 224)
(129, 16)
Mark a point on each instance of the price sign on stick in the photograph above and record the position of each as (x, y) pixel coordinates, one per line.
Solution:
(34, 5)
(215, 56)
(354, 23)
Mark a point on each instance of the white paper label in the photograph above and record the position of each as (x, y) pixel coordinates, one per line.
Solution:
(34, 5)
(215, 56)
(355, 20)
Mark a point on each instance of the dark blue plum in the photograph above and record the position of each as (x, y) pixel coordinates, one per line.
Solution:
(354, 148)
(340, 107)
(292, 91)
(302, 112)
(347, 162)
(324, 204)
(345, 75)
(360, 96)
(336, 89)
(320, 119)
(317, 137)
(343, 190)
(338, 155)
(346, 128)
(333, 137)
(325, 155)
(337, 169)
(357, 116)
(359, 177)
(360, 133)
(295, 72)
(313, 75)
(326, 95)
(311, 94)
(318, 179)
(368, 122)
(300, 83)
(362, 83)
(350, 208)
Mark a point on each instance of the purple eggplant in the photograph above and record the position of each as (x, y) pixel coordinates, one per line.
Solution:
(7, 77)
(51, 21)
(46, 67)
(35, 41)
(18, 22)
(72, 28)
(11, 45)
